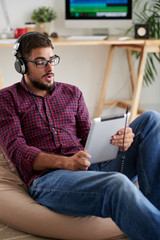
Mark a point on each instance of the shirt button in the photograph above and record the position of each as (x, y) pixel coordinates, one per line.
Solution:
(55, 132)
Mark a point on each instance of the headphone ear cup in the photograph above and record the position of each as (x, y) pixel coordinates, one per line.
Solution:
(20, 66)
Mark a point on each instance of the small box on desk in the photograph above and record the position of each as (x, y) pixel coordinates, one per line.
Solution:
(141, 31)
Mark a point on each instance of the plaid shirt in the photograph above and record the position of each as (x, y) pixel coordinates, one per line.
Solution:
(57, 123)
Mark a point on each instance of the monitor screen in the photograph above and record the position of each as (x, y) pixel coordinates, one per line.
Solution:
(110, 15)
(98, 9)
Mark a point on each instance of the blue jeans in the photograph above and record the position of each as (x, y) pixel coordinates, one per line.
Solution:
(103, 191)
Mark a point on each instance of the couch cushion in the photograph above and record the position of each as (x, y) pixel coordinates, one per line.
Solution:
(20, 211)
(8, 233)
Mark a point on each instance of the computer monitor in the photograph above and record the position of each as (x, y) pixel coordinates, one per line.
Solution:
(95, 14)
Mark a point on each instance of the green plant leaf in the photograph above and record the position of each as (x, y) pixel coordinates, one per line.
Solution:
(44, 14)
(150, 58)
(147, 12)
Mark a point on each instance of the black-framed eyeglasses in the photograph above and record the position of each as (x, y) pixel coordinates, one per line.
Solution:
(43, 63)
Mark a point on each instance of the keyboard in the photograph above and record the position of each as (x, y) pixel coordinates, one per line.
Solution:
(89, 37)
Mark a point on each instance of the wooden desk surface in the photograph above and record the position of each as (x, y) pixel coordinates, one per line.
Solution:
(112, 40)
(108, 41)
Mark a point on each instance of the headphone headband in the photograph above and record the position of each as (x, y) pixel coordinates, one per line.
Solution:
(18, 41)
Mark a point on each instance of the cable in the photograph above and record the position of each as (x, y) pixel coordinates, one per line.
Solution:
(61, 129)
(123, 152)
(57, 128)
(50, 125)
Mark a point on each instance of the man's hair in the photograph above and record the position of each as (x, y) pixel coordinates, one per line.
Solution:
(33, 41)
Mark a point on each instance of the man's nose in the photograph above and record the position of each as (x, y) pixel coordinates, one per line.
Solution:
(49, 66)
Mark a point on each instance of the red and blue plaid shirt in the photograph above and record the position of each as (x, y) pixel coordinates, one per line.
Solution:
(57, 123)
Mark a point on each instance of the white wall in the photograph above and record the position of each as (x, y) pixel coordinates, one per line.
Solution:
(20, 11)
(80, 65)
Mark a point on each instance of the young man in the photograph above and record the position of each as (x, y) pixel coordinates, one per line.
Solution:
(43, 128)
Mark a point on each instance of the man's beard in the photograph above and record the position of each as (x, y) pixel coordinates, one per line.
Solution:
(41, 86)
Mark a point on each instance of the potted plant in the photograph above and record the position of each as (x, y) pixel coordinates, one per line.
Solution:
(43, 17)
(148, 12)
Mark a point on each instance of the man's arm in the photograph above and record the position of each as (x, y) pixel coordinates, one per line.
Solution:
(11, 135)
(78, 161)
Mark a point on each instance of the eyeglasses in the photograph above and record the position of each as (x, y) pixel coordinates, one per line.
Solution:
(43, 63)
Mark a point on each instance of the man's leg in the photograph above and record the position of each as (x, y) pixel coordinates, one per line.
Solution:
(84, 193)
(147, 157)
(143, 157)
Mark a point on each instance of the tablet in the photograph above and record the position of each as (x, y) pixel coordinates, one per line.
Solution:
(98, 142)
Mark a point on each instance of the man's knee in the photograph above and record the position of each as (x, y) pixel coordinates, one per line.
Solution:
(120, 181)
(151, 116)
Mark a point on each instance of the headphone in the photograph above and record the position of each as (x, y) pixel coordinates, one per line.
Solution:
(20, 64)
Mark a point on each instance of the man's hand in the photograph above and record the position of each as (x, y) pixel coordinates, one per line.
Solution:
(78, 161)
(117, 139)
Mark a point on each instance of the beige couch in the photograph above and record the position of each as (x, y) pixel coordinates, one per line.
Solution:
(19, 211)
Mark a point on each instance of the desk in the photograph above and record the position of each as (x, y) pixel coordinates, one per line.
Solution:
(143, 46)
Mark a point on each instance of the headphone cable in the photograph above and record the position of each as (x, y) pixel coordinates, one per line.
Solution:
(123, 151)
(50, 125)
